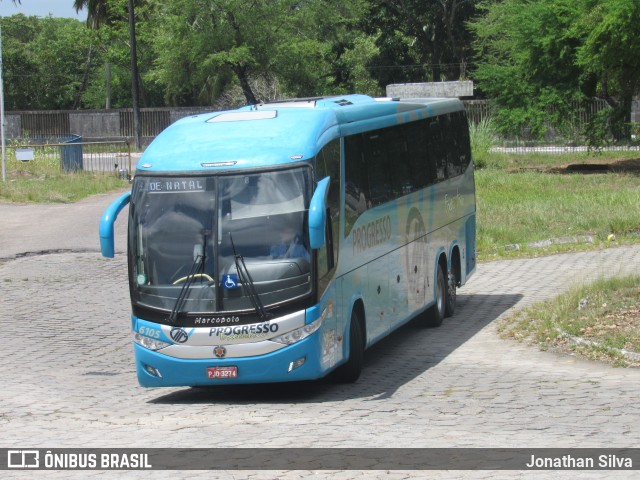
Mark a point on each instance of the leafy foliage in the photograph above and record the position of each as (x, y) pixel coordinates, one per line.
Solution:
(611, 53)
(203, 47)
(43, 61)
(534, 54)
(428, 39)
(534, 57)
(528, 53)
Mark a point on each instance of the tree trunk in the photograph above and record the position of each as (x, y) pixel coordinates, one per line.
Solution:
(241, 73)
(107, 102)
(85, 78)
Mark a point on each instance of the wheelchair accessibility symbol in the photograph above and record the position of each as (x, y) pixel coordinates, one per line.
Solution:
(229, 281)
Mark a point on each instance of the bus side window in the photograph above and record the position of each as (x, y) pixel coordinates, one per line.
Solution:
(388, 159)
(419, 170)
(356, 188)
(377, 158)
(464, 148)
(398, 151)
(437, 151)
(456, 162)
(328, 164)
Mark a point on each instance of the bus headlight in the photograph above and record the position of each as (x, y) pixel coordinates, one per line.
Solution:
(299, 333)
(150, 343)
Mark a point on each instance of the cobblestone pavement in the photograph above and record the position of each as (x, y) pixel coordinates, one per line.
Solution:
(68, 376)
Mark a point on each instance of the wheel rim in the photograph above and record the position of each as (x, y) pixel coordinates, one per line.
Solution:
(451, 290)
(441, 293)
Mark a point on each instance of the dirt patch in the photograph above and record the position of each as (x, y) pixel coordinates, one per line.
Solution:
(630, 166)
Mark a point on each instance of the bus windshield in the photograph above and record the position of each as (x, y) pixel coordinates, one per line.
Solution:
(188, 233)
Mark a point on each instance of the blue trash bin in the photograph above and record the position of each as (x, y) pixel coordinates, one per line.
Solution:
(71, 153)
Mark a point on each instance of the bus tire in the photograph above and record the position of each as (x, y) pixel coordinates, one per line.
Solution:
(435, 314)
(450, 305)
(350, 371)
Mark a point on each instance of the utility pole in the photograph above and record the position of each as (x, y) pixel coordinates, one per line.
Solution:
(135, 96)
(4, 155)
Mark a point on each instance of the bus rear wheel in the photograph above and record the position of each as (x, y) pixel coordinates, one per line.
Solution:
(434, 316)
(450, 306)
(350, 371)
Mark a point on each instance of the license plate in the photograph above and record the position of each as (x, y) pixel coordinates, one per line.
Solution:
(214, 373)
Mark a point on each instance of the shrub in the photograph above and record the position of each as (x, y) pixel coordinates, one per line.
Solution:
(483, 138)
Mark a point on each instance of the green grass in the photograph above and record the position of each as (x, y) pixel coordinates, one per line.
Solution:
(525, 199)
(42, 181)
(521, 208)
(522, 199)
(58, 188)
(597, 321)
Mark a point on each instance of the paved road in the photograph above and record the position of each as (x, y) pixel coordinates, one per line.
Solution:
(68, 378)
(30, 229)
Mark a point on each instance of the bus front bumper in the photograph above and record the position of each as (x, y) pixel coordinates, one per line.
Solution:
(300, 361)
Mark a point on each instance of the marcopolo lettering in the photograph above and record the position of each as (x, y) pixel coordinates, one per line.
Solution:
(217, 320)
(372, 234)
(255, 329)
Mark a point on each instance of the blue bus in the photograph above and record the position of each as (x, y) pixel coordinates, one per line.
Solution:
(278, 241)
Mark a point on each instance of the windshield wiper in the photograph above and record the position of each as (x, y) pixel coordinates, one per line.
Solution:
(198, 262)
(245, 278)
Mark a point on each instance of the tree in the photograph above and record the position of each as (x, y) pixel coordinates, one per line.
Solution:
(19, 64)
(431, 34)
(534, 54)
(611, 54)
(204, 47)
(203, 44)
(43, 61)
(526, 54)
(323, 50)
(98, 12)
(59, 49)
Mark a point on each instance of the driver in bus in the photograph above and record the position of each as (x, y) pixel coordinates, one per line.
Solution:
(290, 245)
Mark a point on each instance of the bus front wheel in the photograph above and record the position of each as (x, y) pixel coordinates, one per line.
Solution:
(350, 371)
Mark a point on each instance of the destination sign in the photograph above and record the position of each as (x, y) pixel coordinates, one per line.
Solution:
(176, 185)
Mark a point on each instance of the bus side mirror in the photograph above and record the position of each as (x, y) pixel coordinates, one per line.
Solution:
(106, 224)
(318, 214)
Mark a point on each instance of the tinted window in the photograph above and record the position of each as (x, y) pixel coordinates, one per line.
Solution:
(386, 164)
(328, 164)
(356, 188)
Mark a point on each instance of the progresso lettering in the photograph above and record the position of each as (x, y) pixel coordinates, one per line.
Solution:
(247, 330)
(373, 233)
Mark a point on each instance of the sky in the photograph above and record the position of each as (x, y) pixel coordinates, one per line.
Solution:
(42, 8)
